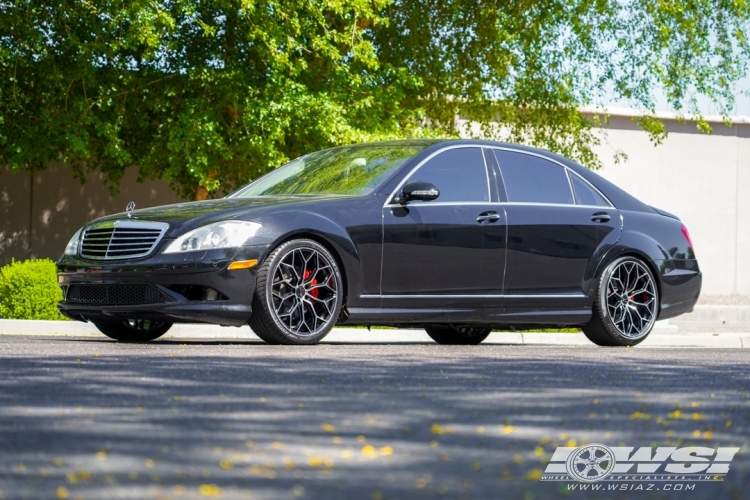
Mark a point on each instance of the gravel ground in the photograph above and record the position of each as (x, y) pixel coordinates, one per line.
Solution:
(90, 418)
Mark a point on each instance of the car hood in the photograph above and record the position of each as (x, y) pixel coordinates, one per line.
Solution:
(186, 216)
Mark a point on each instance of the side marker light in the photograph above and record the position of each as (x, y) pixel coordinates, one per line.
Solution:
(243, 264)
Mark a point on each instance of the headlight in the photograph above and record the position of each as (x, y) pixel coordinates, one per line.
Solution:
(72, 248)
(227, 234)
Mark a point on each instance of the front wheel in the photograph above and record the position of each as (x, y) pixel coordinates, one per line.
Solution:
(133, 330)
(449, 335)
(298, 294)
(626, 304)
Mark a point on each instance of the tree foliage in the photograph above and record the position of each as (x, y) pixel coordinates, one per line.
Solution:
(209, 94)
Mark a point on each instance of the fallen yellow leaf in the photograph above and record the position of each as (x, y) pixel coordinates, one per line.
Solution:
(534, 474)
(209, 490)
(368, 450)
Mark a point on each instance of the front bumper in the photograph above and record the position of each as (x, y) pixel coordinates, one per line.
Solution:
(179, 283)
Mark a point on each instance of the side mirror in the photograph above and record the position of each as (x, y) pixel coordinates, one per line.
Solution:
(417, 190)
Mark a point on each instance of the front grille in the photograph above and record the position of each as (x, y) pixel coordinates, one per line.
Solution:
(114, 295)
(121, 240)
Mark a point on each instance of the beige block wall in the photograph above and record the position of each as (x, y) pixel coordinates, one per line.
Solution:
(704, 179)
(38, 217)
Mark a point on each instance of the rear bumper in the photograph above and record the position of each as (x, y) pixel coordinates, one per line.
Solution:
(230, 305)
(681, 282)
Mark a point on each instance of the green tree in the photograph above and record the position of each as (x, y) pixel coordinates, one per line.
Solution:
(208, 94)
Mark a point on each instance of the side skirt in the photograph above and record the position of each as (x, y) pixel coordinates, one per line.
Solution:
(486, 317)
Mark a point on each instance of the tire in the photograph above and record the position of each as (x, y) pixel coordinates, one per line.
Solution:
(133, 330)
(626, 304)
(450, 335)
(298, 294)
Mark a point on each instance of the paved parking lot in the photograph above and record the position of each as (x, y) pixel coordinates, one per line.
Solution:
(87, 417)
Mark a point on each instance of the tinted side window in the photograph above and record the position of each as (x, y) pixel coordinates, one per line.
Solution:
(532, 179)
(459, 175)
(585, 194)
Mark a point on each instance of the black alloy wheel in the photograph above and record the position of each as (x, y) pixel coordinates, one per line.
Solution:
(298, 294)
(626, 304)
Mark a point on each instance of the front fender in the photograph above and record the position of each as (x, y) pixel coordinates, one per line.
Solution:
(284, 226)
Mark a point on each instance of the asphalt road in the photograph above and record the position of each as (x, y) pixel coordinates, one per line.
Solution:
(91, 418)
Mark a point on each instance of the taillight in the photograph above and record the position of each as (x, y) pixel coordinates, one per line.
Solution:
(686, 233)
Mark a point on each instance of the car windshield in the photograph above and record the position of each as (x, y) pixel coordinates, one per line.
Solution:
(347, 170)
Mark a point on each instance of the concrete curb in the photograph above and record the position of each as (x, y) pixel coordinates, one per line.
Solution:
(663, 336)
(715, 317)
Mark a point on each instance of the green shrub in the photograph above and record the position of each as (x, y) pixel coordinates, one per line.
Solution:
(28, 290)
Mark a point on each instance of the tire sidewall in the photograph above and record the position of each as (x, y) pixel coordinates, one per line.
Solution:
(602, 300)
(281, 252)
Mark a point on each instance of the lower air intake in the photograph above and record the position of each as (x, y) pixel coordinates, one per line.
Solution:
(114, 295)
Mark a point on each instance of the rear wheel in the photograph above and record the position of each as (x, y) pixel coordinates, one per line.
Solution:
(450, 335)
(298, 294)
(626, 304)
(133, 330)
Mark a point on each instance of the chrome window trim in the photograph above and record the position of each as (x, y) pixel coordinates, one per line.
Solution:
(570, 186)
(387, 203)
(568, 173)
(592, 187)
(561, 205)
(567, 170)
(572, 295)
(445, 204)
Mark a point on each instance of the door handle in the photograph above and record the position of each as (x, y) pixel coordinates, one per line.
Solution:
(600, 217)
(488, 217)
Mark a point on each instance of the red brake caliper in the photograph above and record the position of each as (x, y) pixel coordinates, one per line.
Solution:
(306, 275)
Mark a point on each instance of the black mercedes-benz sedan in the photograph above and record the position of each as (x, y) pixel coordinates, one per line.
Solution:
(458, 237)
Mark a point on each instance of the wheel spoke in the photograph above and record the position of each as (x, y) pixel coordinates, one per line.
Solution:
(630, 299)
(304, 291)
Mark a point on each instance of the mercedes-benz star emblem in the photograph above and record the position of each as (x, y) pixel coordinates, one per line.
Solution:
(130, 207)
